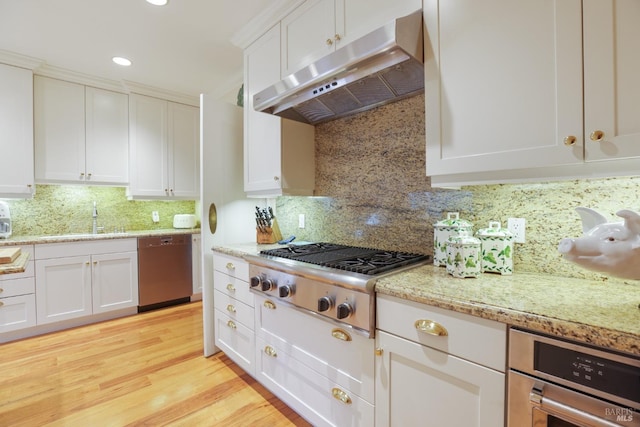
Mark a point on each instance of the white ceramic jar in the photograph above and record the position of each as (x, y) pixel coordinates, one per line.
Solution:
(463, 255)
(442, 230)
(496, 248)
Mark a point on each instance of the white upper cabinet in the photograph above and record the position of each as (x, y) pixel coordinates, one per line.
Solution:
(611, 79)
(279, 154)
(81, 133)
(318, 27)
(16, 132)
(164, 149)
(504, 89)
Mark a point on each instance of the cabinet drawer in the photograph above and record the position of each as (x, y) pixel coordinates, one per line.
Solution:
(17, 312)
(69, 249)
(473, 338)
(306, 391)
(235, 267)
(236, 340)
(28, 272)
(316, 343)
(233, 287)
(235, 309)
(11, 288)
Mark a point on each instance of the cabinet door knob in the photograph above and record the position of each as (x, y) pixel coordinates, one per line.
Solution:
(270, 351)
(341, 396)
(337, 37)
(231, 324)
(329, 42)
(378, 351)
(569, 140)
(1, 303)
(596, 135)
(231, 308)
(270, 305)
(230, 266)
(81, 174)
(276, 178)
(231, 288)
(1, 290)
(431, 328)
(88, 176)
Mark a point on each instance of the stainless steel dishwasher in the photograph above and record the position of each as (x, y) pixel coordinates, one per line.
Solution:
(164, 271)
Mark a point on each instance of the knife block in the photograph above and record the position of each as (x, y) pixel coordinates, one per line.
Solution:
(270, 235)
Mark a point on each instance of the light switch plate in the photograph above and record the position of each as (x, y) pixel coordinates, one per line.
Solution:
(155, 216)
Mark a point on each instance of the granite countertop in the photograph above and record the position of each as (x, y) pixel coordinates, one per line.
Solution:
(605, 314)
(81, 237)
(19, 265)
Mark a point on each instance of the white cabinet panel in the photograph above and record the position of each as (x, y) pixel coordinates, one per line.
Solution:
(611, 83)
(164, 149)
(505, 92)
(114, 281)
(17, 312)
(418, 385)
(16, 132)
(63, 288)
(81, 133)
(59, 130)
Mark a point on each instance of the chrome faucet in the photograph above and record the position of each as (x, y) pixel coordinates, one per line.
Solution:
(94, 230)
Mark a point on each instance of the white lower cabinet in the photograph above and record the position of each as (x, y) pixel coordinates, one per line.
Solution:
(323, 372)
(17, 298)
(428, 378)
(91, 278)
(233, 310)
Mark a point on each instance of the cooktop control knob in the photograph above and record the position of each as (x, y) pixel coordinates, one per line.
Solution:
(268, 284)
(255, 281)
(344, 310)
(324, 303)
(285, 291)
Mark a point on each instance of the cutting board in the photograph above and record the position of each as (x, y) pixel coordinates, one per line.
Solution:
(8, 255)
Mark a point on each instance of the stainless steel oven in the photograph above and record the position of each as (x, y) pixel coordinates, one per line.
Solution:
(558, 383)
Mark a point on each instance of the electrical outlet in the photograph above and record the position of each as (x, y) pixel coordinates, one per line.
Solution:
(517, 227)
(301, 221)
(155, 216)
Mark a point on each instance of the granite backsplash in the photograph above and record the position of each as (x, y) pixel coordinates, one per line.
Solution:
(63, 209)
(371, 190)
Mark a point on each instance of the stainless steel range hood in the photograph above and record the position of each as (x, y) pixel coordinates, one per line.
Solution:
(382, 67)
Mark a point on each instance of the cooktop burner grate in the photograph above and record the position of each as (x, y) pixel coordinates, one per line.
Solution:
(348, 258)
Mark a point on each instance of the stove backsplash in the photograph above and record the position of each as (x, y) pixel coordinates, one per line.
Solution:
(372, 191)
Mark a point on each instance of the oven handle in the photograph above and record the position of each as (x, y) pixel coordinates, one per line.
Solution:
(538, 400)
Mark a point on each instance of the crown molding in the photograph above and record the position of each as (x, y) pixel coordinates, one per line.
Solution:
(142, 89)
(263, 22)
(19, 60)
(59, 73)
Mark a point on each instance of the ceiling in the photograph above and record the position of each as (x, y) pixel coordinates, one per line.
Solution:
(182, 47)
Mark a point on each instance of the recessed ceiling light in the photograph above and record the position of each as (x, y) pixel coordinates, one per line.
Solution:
(158, 2)
(121, 61)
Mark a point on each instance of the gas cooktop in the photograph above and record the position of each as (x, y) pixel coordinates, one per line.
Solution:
(355, 259)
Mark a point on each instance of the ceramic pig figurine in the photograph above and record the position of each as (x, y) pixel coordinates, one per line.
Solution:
(608, 247)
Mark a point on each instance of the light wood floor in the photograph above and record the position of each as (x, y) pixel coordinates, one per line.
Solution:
(142, 370)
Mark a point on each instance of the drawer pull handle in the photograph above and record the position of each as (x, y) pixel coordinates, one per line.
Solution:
(341, 334)
(341, 396)
(430, 327)
(270, 305)
(270, 351)
(231, 308)
(231, 324)
(231, 288)
(230, 266)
